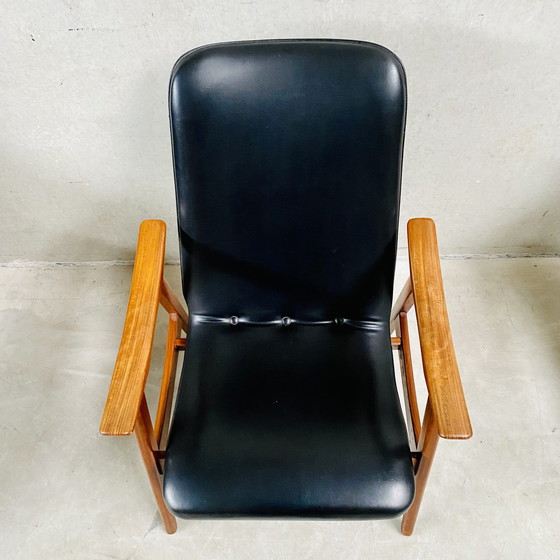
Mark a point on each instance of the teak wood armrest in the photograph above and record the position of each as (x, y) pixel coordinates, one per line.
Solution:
(446, 413)
(148, 290)
(436, 345)
(126, 409)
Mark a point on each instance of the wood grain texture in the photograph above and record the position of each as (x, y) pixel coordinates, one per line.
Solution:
(147, 444)
(403, 303)
(161, 426)
(180, 344)
(169, 301)
(427, 444)
(438, 354)
(409, 388)
(133, 358)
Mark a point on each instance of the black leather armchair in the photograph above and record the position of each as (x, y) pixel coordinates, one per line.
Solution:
(287, 158)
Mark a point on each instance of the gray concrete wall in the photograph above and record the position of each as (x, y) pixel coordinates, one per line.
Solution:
(85, 152)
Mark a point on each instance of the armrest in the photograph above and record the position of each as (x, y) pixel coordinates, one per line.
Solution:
(133, 358)
(436, 345)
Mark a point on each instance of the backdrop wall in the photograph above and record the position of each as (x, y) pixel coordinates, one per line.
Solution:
(85, 141)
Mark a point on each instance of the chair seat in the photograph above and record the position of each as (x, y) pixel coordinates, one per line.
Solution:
(288, 420)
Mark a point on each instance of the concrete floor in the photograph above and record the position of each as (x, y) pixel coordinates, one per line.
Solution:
(67, 492)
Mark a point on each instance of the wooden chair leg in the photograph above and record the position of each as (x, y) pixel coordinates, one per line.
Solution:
(429, 438)
(147, 444)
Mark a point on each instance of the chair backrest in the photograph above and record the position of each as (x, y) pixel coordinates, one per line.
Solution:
(287, 158)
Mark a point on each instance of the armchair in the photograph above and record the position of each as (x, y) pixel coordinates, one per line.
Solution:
(287, 158)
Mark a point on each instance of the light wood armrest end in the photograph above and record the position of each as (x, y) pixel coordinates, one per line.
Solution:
(133, 359)
(438, 354)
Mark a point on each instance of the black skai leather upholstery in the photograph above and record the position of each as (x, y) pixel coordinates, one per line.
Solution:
(288, 160)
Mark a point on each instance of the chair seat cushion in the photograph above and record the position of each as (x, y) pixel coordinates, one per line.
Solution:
(288, 419)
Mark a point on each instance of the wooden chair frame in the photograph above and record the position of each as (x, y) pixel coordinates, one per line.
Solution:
(446, 412)
(126, 410)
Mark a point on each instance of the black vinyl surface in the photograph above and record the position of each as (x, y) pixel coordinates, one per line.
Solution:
(287, 161)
